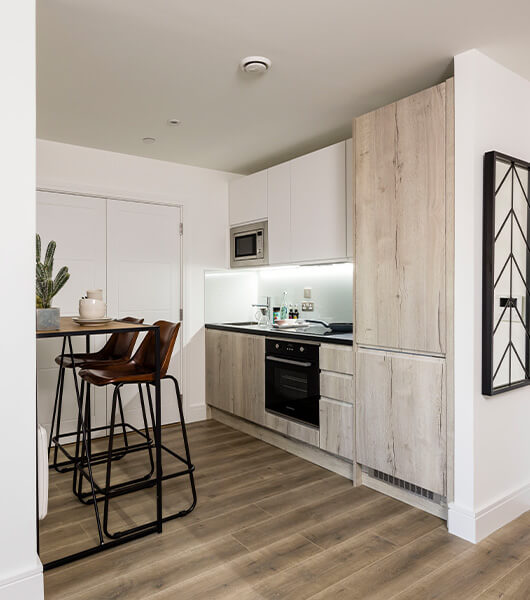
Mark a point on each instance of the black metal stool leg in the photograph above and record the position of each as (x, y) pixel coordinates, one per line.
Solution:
(115, 397)
(123, 428)
(185, 440)
(151, 409)
(58, 419)
(146, 427)
(77, 479)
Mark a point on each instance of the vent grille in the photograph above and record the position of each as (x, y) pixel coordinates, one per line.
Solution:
(404, 485)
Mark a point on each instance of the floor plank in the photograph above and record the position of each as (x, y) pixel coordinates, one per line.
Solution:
(515, 584)
(477, 568)
(400, 569)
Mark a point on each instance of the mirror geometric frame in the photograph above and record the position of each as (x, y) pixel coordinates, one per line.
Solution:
(506, 319)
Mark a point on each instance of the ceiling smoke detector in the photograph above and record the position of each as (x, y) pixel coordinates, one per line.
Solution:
(255, 64)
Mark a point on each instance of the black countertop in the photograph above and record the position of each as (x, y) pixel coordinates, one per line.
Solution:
(316, 333)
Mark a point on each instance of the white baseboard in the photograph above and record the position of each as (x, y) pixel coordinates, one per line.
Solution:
(461, 522)
(26, 586)
(474, 527)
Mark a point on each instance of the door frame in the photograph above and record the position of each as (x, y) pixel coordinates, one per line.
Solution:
(180, 233)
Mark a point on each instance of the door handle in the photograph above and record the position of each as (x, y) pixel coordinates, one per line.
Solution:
(288, 361)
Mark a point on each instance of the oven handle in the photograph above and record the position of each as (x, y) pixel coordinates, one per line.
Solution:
(288, 361)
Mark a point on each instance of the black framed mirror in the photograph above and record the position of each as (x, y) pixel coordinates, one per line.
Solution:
(506, 274)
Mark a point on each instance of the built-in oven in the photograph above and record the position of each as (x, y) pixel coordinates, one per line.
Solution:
(292, 380)
(249, 245)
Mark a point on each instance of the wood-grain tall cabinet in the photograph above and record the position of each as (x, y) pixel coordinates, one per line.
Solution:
(403, 158)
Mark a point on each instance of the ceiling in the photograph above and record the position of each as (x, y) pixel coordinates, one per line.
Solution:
(111, 72)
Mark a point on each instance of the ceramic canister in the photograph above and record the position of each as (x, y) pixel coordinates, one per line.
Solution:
(92, 308)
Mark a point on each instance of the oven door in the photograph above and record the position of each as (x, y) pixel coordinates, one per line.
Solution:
(292, 388)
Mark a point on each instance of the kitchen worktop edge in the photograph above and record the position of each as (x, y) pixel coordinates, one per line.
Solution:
(344, 339)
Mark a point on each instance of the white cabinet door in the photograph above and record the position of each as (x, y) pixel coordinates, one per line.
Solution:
(318, 204)
(279, 203)
(248, 198)
(143, 279)
(78, 225)
(349, 197)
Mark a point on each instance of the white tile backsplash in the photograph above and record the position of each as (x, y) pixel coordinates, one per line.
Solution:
(229, 295)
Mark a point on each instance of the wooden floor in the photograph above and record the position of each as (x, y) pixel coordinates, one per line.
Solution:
(270, 525)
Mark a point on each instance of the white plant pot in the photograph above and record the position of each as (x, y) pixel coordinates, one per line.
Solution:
(48, 319)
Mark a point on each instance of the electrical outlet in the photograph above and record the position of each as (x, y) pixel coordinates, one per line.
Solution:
(308, 306)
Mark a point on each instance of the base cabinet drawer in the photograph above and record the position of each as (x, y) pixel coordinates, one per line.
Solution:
(336, 358)
(336, 386)
(401, 416)
(336, 427)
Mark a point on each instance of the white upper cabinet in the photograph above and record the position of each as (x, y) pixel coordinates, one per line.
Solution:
(318, 205)
(279, 201)
(308, 204)
(248, 198)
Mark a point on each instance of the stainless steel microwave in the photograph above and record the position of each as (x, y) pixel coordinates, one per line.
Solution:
(249, 245)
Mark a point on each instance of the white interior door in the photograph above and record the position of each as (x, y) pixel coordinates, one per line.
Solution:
(144, 280)
(78, 225)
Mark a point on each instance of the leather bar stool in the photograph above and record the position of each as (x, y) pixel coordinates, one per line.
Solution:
(118, 348)
(140, 370)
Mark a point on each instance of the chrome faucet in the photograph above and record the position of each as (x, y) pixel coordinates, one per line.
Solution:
(267, 306)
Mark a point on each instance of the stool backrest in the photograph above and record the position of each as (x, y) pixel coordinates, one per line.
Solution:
(120, 345)
(145, 355)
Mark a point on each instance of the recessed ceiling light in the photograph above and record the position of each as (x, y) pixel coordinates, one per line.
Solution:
(255, 64)
(148, 140)
(174, 122)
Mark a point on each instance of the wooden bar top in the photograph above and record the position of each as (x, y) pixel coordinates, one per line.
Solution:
(70, 327)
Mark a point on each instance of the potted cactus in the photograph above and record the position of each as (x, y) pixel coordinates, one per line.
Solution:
(47, 288)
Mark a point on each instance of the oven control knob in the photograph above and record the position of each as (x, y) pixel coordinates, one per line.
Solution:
(277, 346)
(301, 348)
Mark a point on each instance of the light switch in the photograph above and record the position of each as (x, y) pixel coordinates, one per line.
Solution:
(307, 292)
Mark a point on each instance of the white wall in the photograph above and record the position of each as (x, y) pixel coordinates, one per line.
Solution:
(20, 568)
(203, 193)
(492, 443)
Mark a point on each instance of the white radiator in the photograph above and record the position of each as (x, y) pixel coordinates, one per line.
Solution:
(42, 467)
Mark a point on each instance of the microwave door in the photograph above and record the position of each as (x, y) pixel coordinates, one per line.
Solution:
(245, 246)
